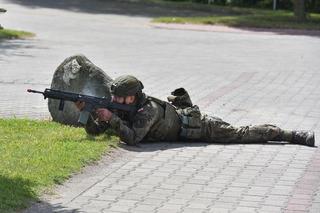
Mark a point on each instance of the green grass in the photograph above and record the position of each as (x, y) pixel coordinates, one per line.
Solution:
(14, 34)
(245, 17)
(35, 155)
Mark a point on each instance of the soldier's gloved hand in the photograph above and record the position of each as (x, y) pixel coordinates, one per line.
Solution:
(80, 105)
(104, 114)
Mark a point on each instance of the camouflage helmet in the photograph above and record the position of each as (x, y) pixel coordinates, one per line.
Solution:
(126, 85)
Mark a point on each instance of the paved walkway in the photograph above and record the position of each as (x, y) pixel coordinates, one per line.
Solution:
(245, 78)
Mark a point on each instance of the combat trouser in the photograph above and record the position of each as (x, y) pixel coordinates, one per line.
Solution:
(216, 130)
(198, 127)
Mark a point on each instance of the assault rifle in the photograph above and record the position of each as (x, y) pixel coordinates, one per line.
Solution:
(91, 102)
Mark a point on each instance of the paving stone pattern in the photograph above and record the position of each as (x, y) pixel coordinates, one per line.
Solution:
(199, 177)
(246, 78)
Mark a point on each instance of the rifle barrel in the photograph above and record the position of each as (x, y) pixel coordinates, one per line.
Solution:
(34, 91)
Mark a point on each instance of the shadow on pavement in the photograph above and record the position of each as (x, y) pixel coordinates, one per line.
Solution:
(8, 46)
(119, 7)
(155, 146)
(45, 207)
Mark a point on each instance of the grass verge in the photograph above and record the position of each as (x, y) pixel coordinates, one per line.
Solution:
(35, 155)
(14, 34)
(246, 17)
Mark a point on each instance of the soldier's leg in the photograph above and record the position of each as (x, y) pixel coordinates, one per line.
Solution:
(216, 130)
(269, 132)
(263, 133)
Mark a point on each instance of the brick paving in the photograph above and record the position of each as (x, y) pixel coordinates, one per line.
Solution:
(245, 78)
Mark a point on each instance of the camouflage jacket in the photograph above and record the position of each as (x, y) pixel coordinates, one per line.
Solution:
(155, 120)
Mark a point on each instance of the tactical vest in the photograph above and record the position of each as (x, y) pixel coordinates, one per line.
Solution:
(178, 119)
(190, 116)
(167, 128)
(191, 124)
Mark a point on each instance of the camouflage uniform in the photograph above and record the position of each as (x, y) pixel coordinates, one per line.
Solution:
(180, 120)
(214, 129)
(157, 120)
(152, 122)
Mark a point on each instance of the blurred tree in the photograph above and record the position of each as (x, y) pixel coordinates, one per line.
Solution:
(299, 9)
(2, 11)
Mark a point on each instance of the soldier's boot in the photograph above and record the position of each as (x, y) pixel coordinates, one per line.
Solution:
(297, 137)
(303, 138)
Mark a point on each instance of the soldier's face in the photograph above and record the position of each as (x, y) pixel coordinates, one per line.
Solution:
(124, 100)
(118, 99)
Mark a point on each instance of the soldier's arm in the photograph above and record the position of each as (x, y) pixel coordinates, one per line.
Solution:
(94, 127)
(142, 123)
